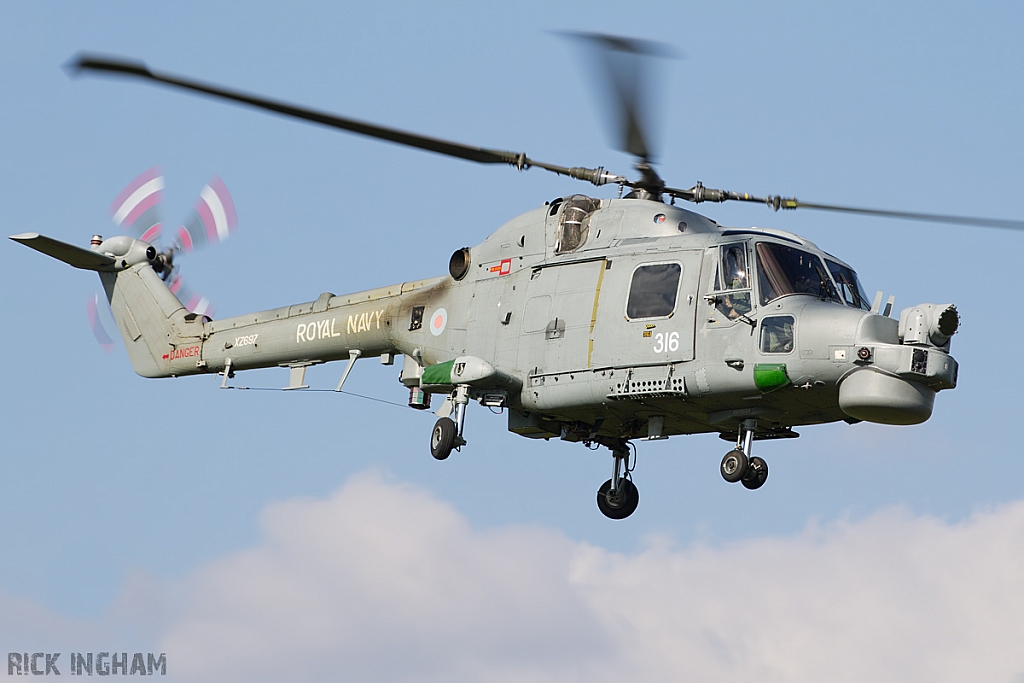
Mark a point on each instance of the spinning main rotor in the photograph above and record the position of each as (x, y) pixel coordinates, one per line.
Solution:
(618, 58)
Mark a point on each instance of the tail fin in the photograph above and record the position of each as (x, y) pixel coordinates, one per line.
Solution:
(152, 321)
(150, 318)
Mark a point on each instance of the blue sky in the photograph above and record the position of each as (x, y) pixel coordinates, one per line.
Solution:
(113, 487)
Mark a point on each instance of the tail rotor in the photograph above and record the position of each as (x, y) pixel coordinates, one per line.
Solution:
(192, 300)
(99, 330)
(212, 221)
(137, 211)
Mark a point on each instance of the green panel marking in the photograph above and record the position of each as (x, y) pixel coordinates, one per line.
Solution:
(439, 374)
(767, 376)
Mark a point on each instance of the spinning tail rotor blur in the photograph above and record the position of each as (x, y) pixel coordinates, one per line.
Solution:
(99, 328)
(137, 211)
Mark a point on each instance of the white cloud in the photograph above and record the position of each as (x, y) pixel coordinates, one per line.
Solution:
(385, 582)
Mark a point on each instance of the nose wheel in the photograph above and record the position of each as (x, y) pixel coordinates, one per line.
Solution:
(739, 465)
(618, 497)
(757, 474)
(734, 465)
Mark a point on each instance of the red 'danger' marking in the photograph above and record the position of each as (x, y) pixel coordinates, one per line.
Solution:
(186, 352)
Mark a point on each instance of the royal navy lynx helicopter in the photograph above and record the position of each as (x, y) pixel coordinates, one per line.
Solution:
(602, 321)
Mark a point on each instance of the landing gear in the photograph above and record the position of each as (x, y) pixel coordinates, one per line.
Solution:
(734, 466)
(739, 465)
(619, 504)
(442, 439)
(757, 474)
(618, 497)
(447, 434)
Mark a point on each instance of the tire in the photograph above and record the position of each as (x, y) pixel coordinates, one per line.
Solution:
(621, 505)
(734, 466)
(442, 439)
(757, 473)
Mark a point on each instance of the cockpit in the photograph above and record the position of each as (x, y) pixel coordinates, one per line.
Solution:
(785, 270)
(782, 270)
(849, 285)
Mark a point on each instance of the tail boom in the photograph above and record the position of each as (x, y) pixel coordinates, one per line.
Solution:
(164, 339)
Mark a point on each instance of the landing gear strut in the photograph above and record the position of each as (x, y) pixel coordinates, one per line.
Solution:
(739, 465)
(618, 497)
(447, 434)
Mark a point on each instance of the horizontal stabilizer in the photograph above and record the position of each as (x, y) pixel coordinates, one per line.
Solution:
(68, 253)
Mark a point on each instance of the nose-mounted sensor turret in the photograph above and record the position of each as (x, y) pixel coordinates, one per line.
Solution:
(929, 324)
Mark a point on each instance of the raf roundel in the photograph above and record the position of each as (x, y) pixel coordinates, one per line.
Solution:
(438, 319)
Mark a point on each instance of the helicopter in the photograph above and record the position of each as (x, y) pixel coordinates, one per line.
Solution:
(602, 321)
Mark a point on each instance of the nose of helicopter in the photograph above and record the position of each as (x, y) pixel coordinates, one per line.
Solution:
(874, 395)
(880, 378)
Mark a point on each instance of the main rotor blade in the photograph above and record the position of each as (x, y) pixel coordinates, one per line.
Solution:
(908, 215)
(698, 193)
(132, 68)
(597, 176)
(623, 72)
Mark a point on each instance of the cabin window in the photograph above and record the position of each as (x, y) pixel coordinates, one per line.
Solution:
(849, 286)
(777, 334)
(653, 290)
(783, 270)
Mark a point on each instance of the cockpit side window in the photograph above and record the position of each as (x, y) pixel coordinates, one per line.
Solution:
(653, 291)
(849, 285)
(734, 266)
(731, 278)
(783, 270)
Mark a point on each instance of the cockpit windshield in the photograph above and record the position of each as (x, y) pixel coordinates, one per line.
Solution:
(849, 285)
(784, 270)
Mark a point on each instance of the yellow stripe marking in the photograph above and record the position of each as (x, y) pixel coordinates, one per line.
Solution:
(593, 316)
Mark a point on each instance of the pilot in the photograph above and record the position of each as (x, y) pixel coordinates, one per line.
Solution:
(734, 276)
(735, 304)
(734, 267)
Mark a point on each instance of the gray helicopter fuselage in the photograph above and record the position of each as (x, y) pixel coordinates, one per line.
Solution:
(559, 321)
(601, 321)
(546, 318)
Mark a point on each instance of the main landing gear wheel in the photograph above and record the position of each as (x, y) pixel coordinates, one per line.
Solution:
(442, 439)
(620, 504)
(757, 473)
(735, 465)
(447, 433)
